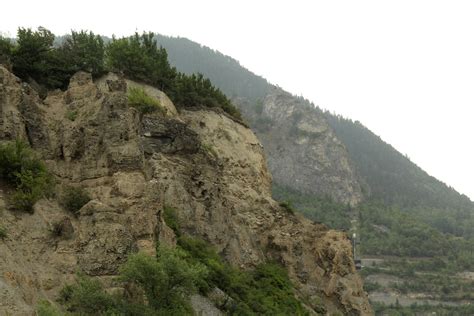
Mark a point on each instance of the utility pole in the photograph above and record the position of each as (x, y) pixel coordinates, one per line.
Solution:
(357, 262)
(354, 236)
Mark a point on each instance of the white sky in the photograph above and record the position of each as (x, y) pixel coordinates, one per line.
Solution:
(405, 69)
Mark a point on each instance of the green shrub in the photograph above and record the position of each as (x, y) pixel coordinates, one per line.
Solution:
(45, 308)
(3, 232)
(202, 252)
(286, 205)
(171, 219)
(167, 281)
(267, 290)
(21, 168)
(74, 198)
(139, 99)
(87, 297)
(71, 115)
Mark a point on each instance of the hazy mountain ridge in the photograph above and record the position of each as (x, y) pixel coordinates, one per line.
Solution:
(391, 176)
(235, 80)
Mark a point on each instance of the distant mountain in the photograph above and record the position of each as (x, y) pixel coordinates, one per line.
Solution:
(224, 71)
(390, 176)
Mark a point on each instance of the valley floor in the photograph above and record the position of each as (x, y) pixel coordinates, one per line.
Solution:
(395, 288)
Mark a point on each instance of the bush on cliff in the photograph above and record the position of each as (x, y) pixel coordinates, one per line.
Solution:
(21, 168)
(74, 198)
(165, 283)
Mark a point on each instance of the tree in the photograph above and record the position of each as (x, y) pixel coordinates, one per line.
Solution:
(167, 280)
(84, 51)
(34, 57)
(139, 58)
(6, 51)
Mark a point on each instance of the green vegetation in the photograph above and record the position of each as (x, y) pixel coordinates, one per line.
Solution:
(390, 231)
(171, 219)
(267, 290)
(166, 282)
(21, 168)
(84, 51)
(74, 198)
(287, 206)
(321, 209)
(6, 51)
(3, 232)
(139, 99)
(34, 56)
(71, 115)
(45, 308)
(391, 176)
(140, 58)
(209, 148)
(87, 297)
(163, 285)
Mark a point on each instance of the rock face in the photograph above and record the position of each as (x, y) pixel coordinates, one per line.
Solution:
(303, 151)
(211, 169)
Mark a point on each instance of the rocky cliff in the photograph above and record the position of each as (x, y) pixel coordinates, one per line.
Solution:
(303, 151)
(211, 169)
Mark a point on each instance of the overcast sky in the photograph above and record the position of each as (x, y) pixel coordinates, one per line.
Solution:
(405, 69)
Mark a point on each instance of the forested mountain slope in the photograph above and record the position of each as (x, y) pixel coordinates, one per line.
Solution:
(235, 80)
(391, 176)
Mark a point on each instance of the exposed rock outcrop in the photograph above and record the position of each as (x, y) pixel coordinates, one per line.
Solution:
(211, 169)
(302, 150)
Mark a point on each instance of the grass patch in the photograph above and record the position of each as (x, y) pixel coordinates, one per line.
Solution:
(45, 308)
(139, 99)
(209, 149)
